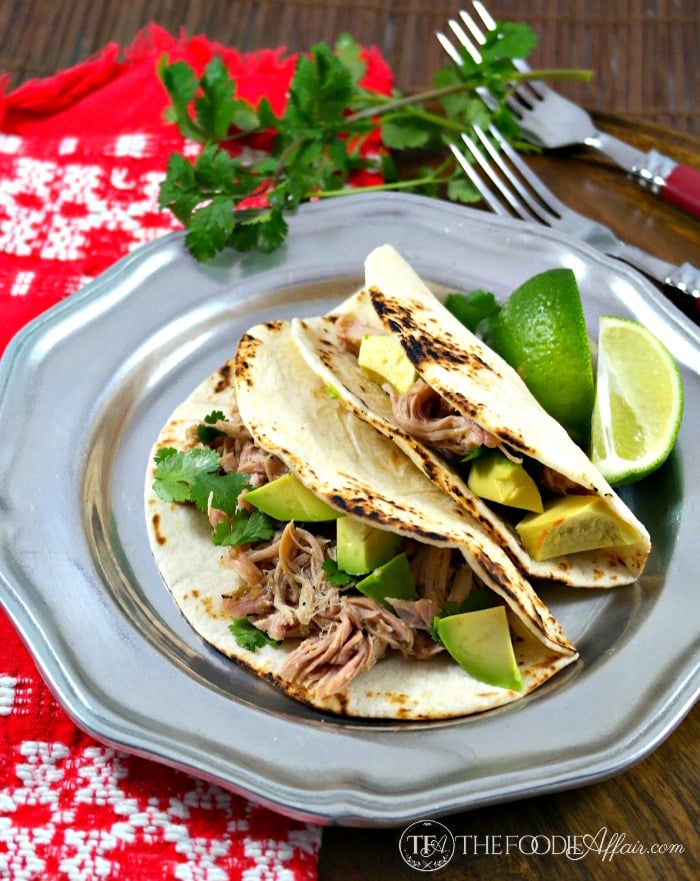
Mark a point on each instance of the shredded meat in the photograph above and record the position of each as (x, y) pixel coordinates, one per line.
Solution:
(417, 614)
(350, 330)
(433, 571)
(425, 415)
(559, 484)
(286, 592)
(355, 640)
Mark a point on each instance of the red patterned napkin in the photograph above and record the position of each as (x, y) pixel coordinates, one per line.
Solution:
(81, 157)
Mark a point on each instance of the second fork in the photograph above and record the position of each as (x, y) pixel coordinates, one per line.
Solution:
(510, 188)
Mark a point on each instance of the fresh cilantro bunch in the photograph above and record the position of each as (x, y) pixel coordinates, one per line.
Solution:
(225, 200)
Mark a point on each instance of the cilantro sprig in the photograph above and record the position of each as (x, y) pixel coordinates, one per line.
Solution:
(226, 199)
(194, 476)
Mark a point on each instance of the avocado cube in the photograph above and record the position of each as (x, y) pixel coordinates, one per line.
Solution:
(362, 547)
(393, 580)
(286, 498)
(480, 643)
(495, 477)
(571, 524)
(383, 356)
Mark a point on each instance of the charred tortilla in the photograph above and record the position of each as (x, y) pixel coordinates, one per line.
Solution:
(479, 385)
(343, 460)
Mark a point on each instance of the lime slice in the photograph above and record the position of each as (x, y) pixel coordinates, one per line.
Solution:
(639, 402)
(541, 332)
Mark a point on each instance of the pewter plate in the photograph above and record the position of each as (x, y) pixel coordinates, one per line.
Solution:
(84, 391)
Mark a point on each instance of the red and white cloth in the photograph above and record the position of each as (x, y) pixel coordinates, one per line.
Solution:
(81, 157)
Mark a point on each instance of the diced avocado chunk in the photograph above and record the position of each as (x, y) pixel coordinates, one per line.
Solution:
(383, 356)
(286, 498)
(570, 524)
(480, 643)
(360, 548)
(495, 477)
(393, 580)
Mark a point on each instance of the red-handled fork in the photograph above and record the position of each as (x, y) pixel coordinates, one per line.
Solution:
(550, 120)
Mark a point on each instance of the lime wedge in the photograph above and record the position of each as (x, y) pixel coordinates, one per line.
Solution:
(639, 402)
(541, 332)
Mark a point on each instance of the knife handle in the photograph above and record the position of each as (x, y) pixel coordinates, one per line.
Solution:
(682, 188)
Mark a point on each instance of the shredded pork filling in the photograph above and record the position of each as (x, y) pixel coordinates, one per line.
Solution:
(426, 416)
(286, 592)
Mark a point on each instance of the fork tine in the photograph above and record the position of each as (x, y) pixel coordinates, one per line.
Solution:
(473, 28)
(525, 194)
(494, 203)
(456, 56)
(464, 39)
(451, 50)
(485, 15)
(517, 207)
(544, 194)
(490, 24)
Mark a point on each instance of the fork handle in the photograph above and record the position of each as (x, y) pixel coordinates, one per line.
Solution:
(682, 189)
(672, 181)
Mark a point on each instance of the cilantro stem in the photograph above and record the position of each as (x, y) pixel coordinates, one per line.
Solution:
(386, 105)
(437, 176)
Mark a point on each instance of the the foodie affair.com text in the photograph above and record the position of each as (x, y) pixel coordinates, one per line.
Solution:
(428, 845)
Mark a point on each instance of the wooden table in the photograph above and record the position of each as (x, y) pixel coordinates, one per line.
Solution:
(654, 804)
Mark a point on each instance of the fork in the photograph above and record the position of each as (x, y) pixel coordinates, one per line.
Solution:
(510, 188)
(550, 120)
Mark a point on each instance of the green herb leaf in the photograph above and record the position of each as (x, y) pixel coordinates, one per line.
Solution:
(214, 108)
(224, 490)
(248, 636)
(335, 575)
(472, 308)
(509, 40)
(243, 528)
(177, 471)
(205, 432)
(473, 454)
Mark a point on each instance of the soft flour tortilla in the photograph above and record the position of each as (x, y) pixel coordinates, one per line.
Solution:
(345, 461)
(478, 383)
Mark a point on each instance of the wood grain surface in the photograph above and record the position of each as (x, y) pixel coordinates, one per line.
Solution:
(643, 53)
(647, 90)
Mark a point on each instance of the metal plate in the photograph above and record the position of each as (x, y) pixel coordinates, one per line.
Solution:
(84, 391)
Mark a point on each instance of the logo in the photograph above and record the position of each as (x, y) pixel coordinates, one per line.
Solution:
(426, 845)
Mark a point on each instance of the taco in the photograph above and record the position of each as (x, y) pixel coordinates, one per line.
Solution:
(460, 396)
(280, 605)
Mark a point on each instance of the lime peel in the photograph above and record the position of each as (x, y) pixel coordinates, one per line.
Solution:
(639, 401)
(541, 332)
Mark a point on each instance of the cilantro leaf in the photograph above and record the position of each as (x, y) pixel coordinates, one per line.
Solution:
(205, 432)
(180, 191)
(350, 54)
(177, 471)
(335, 575)
(472, 308)
(224, 489)
(243, 528)
(509, 40)
(210, 227)
(401, 135)
(248, 636)
(214, 108)
(473, 454)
